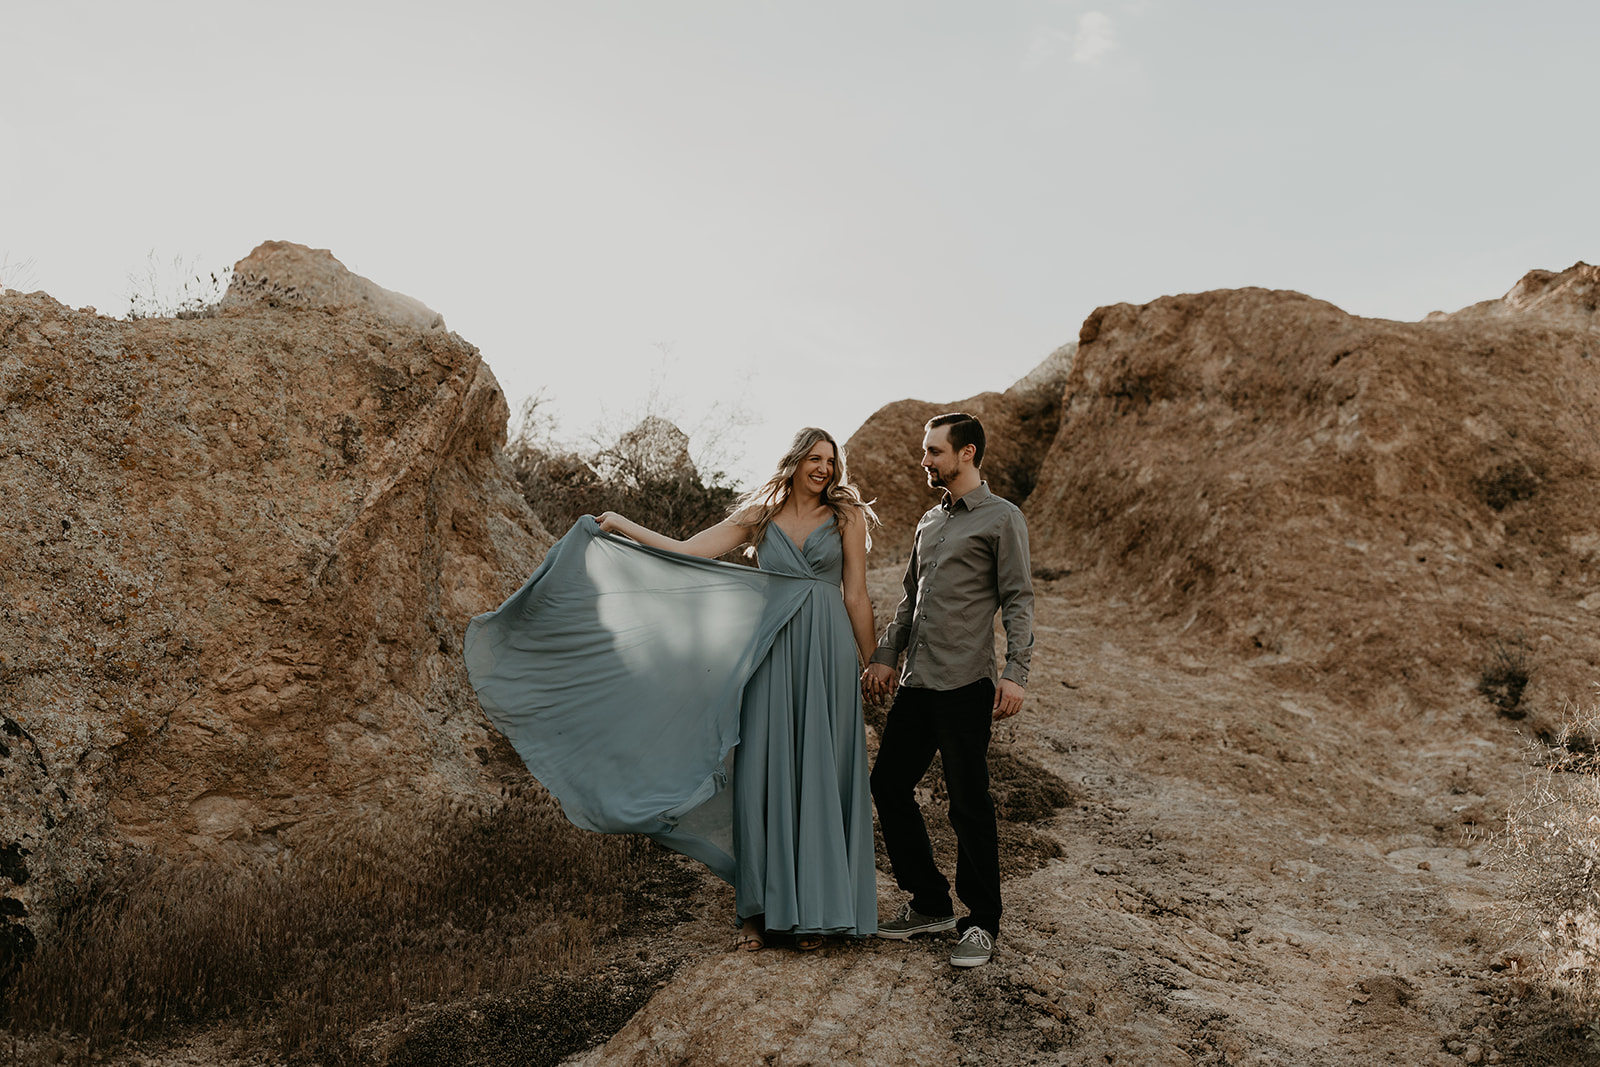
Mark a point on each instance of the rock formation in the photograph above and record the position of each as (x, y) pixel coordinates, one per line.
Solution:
(289, 274)
(1019, 424)
(238, 558)
(655, 450)
(1570, 297)
(1380, 502)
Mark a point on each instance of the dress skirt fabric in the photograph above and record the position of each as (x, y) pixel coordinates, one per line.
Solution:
(711, 706)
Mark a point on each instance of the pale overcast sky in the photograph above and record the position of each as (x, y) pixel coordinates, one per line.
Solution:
(800, 210)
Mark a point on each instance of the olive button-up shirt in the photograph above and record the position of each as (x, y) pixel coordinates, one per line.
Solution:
(969, 560)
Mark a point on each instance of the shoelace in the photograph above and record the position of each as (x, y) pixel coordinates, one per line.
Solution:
(980, 935)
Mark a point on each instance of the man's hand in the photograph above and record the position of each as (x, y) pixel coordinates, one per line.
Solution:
(1008, 699)
(878, 681)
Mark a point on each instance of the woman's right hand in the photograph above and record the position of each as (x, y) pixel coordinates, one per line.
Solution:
(610, 522)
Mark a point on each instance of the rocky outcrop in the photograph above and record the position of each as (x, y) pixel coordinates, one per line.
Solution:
(1019, 425)
(289, 274)
(1570, 297)
(239, 556)
(655, 450)
(1381, 502)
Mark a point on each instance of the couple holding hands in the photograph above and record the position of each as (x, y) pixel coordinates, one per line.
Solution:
(717, 708)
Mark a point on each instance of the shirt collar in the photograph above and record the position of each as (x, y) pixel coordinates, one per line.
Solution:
(976, 498)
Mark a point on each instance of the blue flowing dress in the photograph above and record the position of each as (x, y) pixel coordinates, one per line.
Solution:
(711, 706)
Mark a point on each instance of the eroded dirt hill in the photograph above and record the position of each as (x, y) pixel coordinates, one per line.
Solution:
(1370, 506)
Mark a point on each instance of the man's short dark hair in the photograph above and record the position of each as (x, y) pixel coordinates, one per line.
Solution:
(964, 430)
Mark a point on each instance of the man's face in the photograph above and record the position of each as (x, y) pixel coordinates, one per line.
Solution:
(940, 463)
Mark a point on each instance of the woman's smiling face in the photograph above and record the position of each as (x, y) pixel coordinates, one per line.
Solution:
(816, 471)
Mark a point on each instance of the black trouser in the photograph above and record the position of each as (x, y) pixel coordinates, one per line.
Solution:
(955, 723)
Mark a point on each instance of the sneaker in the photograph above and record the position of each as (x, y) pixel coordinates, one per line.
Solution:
(974, 948)
(907, 921)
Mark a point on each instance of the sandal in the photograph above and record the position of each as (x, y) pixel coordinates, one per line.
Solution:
(808, 942)
(750, 939)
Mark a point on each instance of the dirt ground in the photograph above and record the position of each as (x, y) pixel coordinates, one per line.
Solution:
(1247, 874)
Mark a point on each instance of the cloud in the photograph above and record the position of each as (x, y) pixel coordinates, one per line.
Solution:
(1094, 38)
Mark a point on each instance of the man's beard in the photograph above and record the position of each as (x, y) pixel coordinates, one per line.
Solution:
(935, 479)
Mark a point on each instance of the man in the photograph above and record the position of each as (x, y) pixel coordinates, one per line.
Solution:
(969, 559)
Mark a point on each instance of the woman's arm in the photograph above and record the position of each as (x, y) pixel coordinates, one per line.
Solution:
(710, 543)
(856, 602)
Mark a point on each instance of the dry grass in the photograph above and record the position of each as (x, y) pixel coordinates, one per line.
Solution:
(1551, 849)
(368, 923)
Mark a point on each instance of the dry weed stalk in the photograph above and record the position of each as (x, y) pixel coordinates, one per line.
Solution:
(371, 920)
(176, 290)
(1551, 848)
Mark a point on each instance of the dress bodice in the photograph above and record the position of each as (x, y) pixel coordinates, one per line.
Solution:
(820, 557)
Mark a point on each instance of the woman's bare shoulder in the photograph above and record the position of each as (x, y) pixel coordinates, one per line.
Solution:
(852, 521)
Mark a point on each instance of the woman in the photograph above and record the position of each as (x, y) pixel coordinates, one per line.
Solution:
(626, 675)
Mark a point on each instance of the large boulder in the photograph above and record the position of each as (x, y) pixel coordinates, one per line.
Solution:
(286, 273)
(239, 556)
(655, 450)
(1400, 506)
(1019, 425)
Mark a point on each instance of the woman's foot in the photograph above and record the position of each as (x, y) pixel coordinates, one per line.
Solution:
(752, 938)
(808, 942)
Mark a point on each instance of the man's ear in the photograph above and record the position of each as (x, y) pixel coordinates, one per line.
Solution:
(969, 453)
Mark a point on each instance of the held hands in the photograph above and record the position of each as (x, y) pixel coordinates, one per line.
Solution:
(1007, 699)
(878, 683)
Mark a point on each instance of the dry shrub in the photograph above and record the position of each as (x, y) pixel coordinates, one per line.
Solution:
(561, 488)
(645, 474)
(1506, 674)
(1551, 848)
(1507, 484)
(368, 922)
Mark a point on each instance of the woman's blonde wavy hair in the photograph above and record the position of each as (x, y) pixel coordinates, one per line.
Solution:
(756, 508)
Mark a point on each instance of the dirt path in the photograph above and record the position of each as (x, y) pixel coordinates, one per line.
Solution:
(1248, 875)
